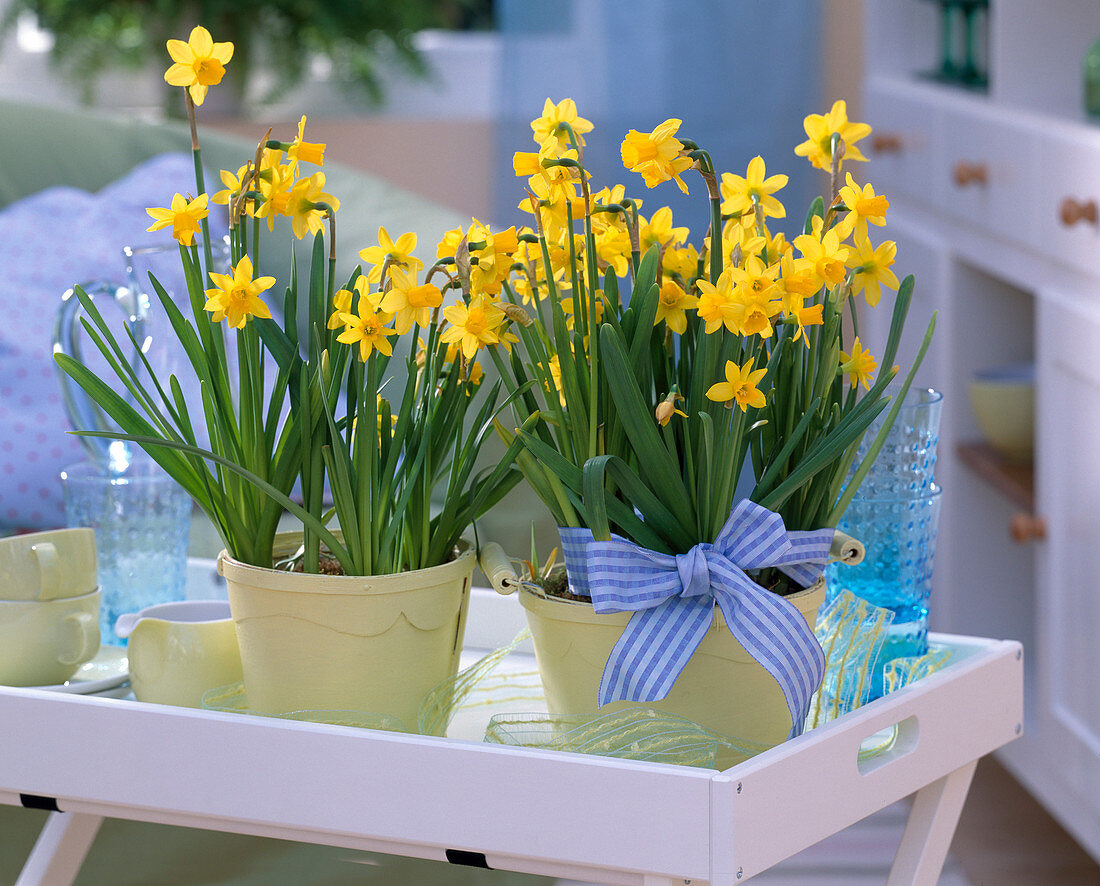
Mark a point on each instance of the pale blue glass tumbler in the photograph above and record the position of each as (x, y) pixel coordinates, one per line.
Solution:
(896, 514)
(141, 518)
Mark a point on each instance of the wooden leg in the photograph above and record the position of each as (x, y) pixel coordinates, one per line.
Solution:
(60, 849)
(929, 830)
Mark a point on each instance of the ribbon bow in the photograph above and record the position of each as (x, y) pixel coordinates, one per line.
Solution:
(673, 599)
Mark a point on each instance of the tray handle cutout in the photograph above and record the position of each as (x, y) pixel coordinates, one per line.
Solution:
(887, 745)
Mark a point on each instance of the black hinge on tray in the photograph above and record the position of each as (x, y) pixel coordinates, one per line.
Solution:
(470, 859)
(33, 801)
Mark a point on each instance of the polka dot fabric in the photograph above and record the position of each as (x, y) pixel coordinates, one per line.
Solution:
(49, 242)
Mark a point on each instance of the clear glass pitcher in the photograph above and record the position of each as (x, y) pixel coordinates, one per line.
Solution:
(154, 343)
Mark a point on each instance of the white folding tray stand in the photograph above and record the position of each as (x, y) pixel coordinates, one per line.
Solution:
(558, 814)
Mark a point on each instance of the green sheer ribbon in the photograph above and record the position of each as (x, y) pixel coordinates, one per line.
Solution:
(490, 700)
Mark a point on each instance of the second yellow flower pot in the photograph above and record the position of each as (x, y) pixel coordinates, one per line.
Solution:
(370, 644)
(722, 687)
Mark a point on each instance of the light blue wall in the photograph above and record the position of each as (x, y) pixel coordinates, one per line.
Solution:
(741, 74)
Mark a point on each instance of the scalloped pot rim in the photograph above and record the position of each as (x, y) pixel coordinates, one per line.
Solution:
(424, 597)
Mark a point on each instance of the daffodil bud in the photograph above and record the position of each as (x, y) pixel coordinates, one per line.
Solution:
(326, 367)
(516, 314)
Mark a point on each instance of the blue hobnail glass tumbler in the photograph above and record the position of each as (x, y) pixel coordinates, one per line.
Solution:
(141, 518)
(896, 514)
(899, 535)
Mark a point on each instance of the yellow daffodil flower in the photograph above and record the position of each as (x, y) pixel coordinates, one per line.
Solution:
(740, 385)
(825, 251)
(658, 231)
(473, 326)
(236, 297)
(183, 215)
(199, 63)
(872, 269)
(233, 185)
(556, 201)
(864, 206)
(367, 325)
(807, 315)
(494, 261)
(656, 155)
(448, 246)
(276, 183)
(397, 252)
(716, 306)
(613, 248)
(553, 115)
(341, 301)
(683, 262)
(672, 302)
(408, 302)
(755, 296)
(818, 147)
(800, 277)
(301, 151)
(302, 205)
(740, 195)
(859, 364)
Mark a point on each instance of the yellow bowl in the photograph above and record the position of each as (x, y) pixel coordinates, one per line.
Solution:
(1003, 401)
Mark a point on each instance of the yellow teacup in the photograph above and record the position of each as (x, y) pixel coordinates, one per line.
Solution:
(43, 642)
(48, 565)
(177, 651)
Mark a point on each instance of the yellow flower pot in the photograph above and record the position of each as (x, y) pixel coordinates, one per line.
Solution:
(372, 644)
(722, 687)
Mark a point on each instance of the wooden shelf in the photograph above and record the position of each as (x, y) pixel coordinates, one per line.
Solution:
(1012, 478)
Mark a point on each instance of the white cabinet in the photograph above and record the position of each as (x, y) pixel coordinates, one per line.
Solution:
(993, 201)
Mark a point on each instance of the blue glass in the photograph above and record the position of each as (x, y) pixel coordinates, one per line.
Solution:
(905, 464)
(141, 518)
(899, 535)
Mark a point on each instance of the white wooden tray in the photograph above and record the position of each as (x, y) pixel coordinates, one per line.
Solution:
(544, 812)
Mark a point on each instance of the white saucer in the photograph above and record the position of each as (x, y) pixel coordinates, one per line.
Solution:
(107, 670)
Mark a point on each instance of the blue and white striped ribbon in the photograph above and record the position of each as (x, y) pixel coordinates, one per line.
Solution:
(673, 598)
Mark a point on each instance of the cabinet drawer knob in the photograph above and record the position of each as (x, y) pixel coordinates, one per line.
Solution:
(1025, 527)
(886, 143)
(1073, 211)
(971, 173)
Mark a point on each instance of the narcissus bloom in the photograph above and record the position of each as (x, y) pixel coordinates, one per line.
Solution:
(739, 195)
(341, 301)
(656, 155)
(184, 216)
(658, 231)
(199, 63)
(716, 305)
(553, 115)
(408, 302)
(740, 385)
(872, 269)
(301, 151)
(233, 183)
(672, 302)
(472, 326)
(302, 205)
(397, 252)
(367, 326)
(825, 251)
(863, 205)
(820, 128)
(237, 296)
(860, 364)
